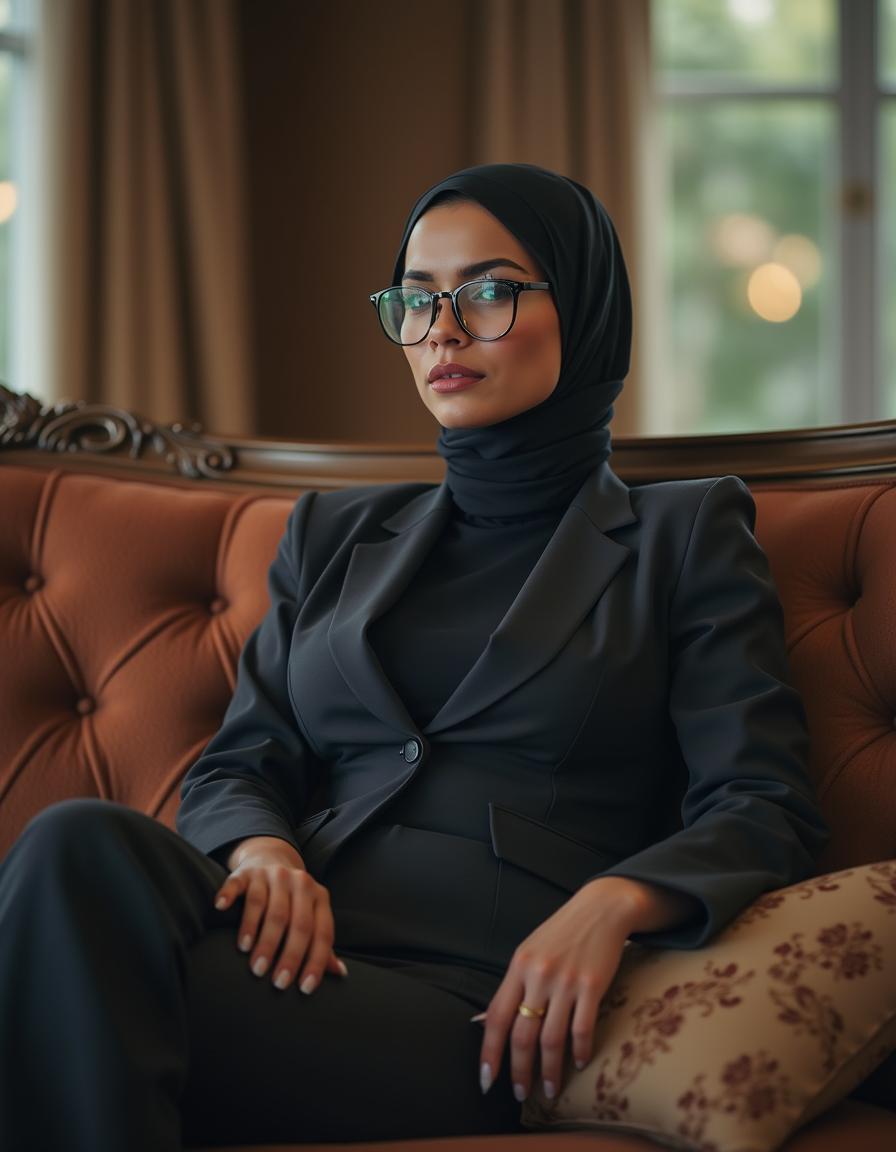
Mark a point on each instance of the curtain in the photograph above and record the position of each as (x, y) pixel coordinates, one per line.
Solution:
(566, 84)
(148, 221)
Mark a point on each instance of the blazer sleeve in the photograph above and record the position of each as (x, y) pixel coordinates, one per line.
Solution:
(750, 822)
(256, 774)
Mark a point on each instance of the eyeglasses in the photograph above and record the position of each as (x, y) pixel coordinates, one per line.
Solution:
(485, 309)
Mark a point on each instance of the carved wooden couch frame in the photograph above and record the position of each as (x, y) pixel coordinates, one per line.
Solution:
(73, 473)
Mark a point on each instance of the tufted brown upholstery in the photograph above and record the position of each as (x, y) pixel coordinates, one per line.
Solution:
(123, 608)
(833, 556)
(124, 603)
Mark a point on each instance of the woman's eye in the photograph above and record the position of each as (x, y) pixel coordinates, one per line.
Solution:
(416, 302)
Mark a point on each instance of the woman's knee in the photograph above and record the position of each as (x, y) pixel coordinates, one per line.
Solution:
(77, 826)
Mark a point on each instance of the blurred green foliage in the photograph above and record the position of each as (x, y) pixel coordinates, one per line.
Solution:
(785, 42)
(744, 172)
(767, 170)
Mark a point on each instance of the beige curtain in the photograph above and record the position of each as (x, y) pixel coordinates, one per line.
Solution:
(148, 222)
(565, 84)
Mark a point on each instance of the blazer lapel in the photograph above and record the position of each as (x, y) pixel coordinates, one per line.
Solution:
(377, 575)
(563, 587)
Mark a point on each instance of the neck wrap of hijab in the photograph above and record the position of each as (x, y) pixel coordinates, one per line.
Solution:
(536, 461)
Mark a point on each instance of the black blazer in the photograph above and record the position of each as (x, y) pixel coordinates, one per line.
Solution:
(630, 715)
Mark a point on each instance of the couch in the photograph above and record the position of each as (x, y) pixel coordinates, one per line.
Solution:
(132, 567)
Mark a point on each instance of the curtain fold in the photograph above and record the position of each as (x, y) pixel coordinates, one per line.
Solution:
(148, 224)
(566, 84)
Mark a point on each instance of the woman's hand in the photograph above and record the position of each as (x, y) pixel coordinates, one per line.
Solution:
(283, 900)
(566, 966)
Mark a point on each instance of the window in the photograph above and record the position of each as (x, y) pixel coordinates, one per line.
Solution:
(18, 159)
(776, 161)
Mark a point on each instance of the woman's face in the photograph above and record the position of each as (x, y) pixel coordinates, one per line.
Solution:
(509, 375)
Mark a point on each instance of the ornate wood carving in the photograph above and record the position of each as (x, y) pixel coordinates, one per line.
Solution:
(82, 427)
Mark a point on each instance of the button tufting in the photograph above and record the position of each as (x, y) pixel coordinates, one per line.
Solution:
(34, 582)
(85, 706)
(217, 605)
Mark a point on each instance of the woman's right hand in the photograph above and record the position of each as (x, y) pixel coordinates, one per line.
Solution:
(285, 905)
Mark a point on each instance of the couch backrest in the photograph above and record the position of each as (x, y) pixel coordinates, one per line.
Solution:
(124, 604)
(832, 552)
(123, 608)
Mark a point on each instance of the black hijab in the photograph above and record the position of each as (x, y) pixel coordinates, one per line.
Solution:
(536, 461)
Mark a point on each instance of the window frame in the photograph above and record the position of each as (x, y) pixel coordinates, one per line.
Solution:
(857, 98)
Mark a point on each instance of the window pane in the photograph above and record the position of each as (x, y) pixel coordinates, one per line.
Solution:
(887, 272)
(888, 40)
(750, 262)
(782, 42)
(7, 211)
(14, 13)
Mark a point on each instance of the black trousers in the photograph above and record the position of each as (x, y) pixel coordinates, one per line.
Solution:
(130, 1020)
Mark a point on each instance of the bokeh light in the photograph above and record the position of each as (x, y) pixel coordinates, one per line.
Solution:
(774, 293)
(751, 11)
(801, 255)
(742, 240)
(8, 200)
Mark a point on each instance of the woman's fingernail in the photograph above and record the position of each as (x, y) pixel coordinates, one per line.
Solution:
(520, 1092)
(549, 1090)
(485, 1078)
(221, 902)
(481, 1016)
(245, 943)
(580, 1064)
(283, 979)
(343, 971)
(260, 966)
(308, 984)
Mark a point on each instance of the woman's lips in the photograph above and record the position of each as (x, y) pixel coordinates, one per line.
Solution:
(454, 383)
(451, 377)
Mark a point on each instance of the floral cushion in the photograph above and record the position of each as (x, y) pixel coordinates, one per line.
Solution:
(730, 1047)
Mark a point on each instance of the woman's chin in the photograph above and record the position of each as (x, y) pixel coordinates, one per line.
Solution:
(461, 424)
(462, 412)
(451, 414)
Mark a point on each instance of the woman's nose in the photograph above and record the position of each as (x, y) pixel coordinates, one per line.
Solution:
(445, 328)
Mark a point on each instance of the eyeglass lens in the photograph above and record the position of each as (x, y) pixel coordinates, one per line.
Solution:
(485, 307)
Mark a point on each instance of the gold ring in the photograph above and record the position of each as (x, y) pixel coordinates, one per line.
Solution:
(533, 1013)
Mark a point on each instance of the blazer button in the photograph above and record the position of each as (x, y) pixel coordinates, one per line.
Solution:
(411, 751)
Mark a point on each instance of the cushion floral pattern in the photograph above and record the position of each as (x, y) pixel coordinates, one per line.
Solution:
(730, 1047)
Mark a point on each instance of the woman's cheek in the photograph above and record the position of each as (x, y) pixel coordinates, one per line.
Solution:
(536, 361)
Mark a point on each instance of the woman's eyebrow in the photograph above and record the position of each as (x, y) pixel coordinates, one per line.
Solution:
(470, 270)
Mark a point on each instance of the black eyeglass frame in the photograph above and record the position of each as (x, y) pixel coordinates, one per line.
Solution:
(515, 286)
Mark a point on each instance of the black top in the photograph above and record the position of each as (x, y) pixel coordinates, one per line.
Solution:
(584, 741)
(458, 597)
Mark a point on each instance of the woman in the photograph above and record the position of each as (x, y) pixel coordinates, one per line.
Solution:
(487, 732)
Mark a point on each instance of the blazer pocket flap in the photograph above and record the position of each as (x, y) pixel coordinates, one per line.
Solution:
(548, 853)
(310, 825)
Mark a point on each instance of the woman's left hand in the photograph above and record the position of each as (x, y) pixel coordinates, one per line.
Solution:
(566, 966)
